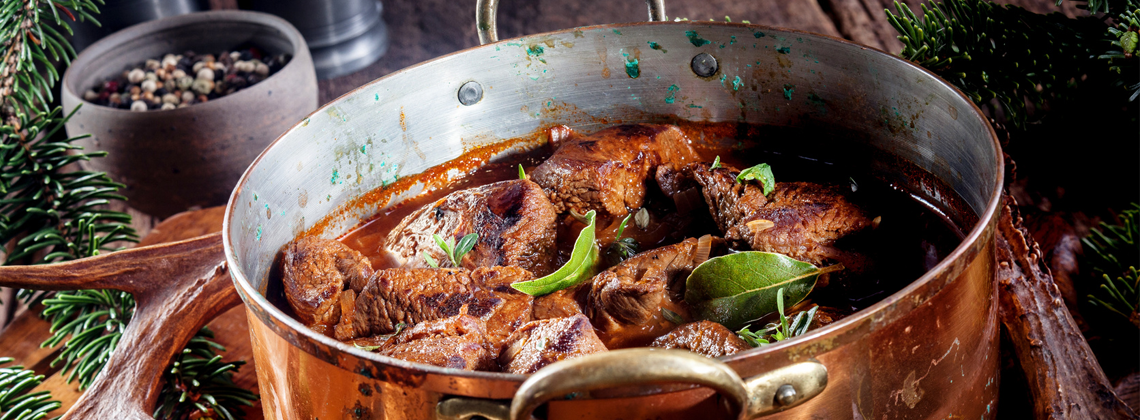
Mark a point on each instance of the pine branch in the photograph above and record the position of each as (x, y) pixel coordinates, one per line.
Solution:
(15, 401)
(1003, 53)
(200, 385)
(1113, 252)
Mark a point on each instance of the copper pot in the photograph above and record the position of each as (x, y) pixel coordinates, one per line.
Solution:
(927, 351)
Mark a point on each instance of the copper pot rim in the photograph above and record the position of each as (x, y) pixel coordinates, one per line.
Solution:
(296, 40)
(847, 329)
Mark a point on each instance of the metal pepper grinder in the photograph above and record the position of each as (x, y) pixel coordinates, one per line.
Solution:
(343, 35)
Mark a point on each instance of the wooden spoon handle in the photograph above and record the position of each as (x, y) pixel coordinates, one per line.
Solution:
(178, 287)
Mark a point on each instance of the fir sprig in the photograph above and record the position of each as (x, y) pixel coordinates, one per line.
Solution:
(15, 401)
(200, 385)
(33, 44)
(1000, 52)
(1113, 252)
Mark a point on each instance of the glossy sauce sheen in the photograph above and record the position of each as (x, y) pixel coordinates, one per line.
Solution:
(910, 239)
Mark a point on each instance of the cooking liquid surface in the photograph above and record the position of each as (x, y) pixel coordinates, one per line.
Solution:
(910, 238)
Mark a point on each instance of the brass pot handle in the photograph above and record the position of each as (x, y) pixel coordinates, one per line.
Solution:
(763, 394)
(485, 11)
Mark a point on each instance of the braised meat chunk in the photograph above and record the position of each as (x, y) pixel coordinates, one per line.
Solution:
(411, 296)
(704, 337)
(606, 171)
(631, 294)
(802, 220)
(515, 222)
(563, 303)
(457, 342)
(314, 272)
(540, 343)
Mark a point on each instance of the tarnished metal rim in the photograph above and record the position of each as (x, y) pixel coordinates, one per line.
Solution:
(844, 331)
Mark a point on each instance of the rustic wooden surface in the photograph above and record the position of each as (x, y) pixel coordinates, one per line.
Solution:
(420, 30)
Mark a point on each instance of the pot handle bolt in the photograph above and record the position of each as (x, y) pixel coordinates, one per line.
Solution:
(704, 65)
(470, 93)
(785, 395)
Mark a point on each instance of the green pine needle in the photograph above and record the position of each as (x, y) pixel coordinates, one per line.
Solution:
(15, 400)
(1113, 251)
(1005, 54)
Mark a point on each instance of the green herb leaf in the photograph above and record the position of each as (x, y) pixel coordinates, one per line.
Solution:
(522, 173)
(430, 261)
(581, 267)
(621, 227)
(366, 348)
(761, 173)
(672, 316)
(716, 163)
(464, 246)
(736, 289)
(445, 245)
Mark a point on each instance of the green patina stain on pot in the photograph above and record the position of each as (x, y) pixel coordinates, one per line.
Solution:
(696, 39)
(258, 232)
(335, 176)
(758, 34)
(784, 50)
(723, 78)
(788, 89)
(736, 83)
(672, 94)
(732, 40)
(632, 69)
(617, 32)
(657, 47)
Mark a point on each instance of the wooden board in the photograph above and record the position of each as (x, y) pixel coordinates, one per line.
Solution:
(21, 339)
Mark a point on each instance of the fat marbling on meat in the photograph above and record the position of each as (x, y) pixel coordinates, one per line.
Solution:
(515, 222)
(607, 171)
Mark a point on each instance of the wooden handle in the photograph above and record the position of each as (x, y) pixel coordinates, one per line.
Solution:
(178, 287)
(1065, 380)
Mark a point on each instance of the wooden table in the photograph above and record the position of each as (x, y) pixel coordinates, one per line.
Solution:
(424, 29)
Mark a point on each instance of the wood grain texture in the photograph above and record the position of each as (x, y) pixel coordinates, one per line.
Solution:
(1065, 380)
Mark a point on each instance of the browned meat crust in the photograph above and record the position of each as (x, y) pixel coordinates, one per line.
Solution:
(563, 303)
(515, 222)
(315, 271)
(410, 296)
(606, 171)
(457, 342)
(704, 337)
(540, 343)
(800, 219)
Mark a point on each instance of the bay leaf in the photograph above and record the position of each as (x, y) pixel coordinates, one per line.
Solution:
(736, 289)
(582, 265)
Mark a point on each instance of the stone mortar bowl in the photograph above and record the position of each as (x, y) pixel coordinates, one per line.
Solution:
(188, 157)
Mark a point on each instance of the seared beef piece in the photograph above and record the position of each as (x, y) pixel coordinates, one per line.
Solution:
(515, 222)
(411, 296)
(315, 271)
(704, 337)
(457, 342)
(540, 343)
(606, 171)
(563, 303)
(632, 293)
(800, 219)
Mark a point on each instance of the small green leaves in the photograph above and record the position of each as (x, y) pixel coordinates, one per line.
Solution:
(761, 173)
(455, 252)
(622, 248)
(716, 163)
(522, 173)
(581, 267)
(739, 288)
(782, 330)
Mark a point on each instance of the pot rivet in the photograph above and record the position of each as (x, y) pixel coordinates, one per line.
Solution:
(785, 395)
(704, 65)
(470, 93)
